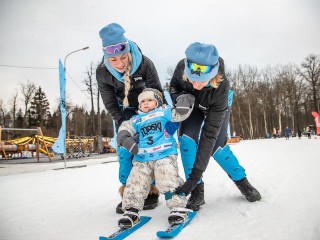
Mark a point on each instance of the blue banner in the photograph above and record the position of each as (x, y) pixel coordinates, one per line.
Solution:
(59, 145)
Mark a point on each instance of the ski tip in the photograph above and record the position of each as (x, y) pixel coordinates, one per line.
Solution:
(122, 233)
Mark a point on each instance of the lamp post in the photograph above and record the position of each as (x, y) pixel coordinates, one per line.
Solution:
(65, 134)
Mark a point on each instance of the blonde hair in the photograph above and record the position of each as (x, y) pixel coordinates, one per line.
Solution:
(214, 82)
(127, 84)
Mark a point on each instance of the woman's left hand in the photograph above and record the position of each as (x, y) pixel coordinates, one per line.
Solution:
(191, 183)
(186, 188)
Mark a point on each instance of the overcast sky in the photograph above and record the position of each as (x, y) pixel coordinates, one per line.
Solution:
(36, 33)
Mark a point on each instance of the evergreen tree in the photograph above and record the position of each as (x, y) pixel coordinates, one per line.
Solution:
(39, 110)
(19, 119)
(106, 124)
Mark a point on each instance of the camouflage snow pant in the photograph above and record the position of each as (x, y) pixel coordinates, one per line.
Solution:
(166, 174)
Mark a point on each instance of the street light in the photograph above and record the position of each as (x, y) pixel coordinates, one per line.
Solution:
(65, 59)
(65, 134)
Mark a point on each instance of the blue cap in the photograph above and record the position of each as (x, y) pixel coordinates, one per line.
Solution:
(113, 34)
(202, 54)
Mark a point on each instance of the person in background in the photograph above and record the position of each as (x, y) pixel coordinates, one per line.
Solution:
(308, 132)
(155, 157)
(279, 133)
(299, 133)
(287, 132)
(204, 133)
(121, 76)
(274, 133)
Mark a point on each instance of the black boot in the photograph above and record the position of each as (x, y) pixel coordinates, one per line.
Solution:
(197, 197)
(248, 190)
(130, 218)
(119, 208)
(150, 202)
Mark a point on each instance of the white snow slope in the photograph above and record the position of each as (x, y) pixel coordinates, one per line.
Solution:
(79, 203)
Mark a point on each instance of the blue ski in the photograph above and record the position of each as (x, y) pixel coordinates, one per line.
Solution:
(123, 233)
(174, 230)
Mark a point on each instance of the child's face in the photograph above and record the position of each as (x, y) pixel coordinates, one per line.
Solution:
(148, 105)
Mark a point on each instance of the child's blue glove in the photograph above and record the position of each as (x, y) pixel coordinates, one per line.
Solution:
(172, 127)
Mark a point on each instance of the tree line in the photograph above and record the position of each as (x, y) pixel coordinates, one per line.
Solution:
(273, 97)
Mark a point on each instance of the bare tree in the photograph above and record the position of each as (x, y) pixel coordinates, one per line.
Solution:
(14, 107)
(310, 71)
(170, 71)
(237, 99)
(88, 81)
(248, 77)
(98, 110)
(264, 90)
(2, 112)
(27, 90)
(293, 88)
(92, 90)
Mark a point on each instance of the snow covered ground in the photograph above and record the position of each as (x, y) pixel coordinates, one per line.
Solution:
(79, 203)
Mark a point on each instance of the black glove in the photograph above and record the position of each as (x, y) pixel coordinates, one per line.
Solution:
(131, 145)
(190, 184)
(187, 187)
(184, 103)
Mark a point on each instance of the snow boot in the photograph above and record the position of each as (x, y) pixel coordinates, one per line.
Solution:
(197, 197)
(178, 215)
(119, 206)
(150, 202)
(152, 199)
(129, 219)
(248, 190)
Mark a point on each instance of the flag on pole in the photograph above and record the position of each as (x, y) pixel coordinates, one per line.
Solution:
(317, 121)
(59, 145)
(230, 98)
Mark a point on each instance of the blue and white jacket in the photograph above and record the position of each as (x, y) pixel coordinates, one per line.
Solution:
(154, 141)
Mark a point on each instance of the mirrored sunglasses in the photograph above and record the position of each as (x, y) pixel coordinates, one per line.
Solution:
(196, 68)
(113, 49)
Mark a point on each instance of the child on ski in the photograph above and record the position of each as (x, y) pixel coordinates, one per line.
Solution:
(155, 157)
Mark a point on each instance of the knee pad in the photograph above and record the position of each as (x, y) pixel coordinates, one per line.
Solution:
(229, 163)
(125, 164)
(188, 150)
